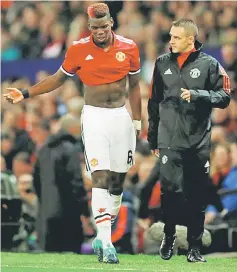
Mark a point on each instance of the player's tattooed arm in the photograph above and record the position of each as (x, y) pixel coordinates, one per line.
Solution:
(135, 96)
(62, 77)
(47, 85)
(133, 81)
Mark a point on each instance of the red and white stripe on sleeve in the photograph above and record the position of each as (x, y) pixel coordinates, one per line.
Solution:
(226, 80)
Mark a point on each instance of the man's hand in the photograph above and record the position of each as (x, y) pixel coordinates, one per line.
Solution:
(144, 223)
(14, 96)
(186, 95)
(156, 152)
(209, 217)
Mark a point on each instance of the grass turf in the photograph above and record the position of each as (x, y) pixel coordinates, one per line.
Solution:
(18, 262)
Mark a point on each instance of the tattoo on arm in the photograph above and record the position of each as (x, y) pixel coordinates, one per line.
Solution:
(62, 78)
(133, 81)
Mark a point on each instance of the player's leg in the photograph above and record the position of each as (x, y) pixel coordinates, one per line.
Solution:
(171, 177)
(116, 182)
(101, 208)
(96, 143)
(122, 151)
(122, 140)
(198, 166)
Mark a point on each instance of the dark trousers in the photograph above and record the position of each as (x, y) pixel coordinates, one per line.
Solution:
(184, 179)
(64, 235)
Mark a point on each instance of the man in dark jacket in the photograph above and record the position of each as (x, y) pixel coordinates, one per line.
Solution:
(186, 85)
(60, 188)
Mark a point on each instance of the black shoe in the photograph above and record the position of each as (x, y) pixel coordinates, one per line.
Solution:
(195, 256)
(167, 247)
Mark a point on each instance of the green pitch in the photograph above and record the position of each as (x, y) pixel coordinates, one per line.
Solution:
(17, 262)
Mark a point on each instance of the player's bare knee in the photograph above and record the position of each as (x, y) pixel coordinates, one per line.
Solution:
(116, 189)
(116, 182)
(100, 179)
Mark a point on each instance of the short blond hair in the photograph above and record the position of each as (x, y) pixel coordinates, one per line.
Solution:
(188, 25)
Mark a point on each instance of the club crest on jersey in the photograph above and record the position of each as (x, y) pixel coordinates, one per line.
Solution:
(195, 73)
(94, 162)
(101, 210)
(120, 56)
(164, 159)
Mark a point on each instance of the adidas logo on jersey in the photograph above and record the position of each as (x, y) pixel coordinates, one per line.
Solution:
(207, 164)
(89, 57)
(168, 72)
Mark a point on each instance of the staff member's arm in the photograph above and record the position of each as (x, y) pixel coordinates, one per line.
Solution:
(219, 95)
(156, 96)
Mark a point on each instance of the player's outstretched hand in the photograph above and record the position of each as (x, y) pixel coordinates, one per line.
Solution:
(14, 96)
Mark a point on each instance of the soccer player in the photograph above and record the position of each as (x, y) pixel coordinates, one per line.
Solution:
(187, 84)
(103, 61)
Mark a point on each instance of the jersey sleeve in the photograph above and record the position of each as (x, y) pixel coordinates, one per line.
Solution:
(135, 61)
(69, 66)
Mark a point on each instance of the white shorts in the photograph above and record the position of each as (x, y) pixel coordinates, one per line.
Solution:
(109, 137)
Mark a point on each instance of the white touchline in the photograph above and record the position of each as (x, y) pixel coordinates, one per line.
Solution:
(82, 268)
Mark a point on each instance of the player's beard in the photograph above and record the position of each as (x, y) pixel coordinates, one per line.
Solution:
(104, 43)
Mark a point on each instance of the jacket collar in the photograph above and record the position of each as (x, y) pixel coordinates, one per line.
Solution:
(193, 55)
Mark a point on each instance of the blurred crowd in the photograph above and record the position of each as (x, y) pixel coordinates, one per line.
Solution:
(44, 30)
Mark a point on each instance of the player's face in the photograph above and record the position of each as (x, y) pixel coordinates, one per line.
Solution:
(180, 41)
(101, 30)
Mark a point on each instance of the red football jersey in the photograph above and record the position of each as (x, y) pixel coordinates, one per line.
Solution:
(96, 66)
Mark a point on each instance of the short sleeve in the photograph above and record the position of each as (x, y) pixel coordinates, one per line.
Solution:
(69, 67)
(135, 61)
